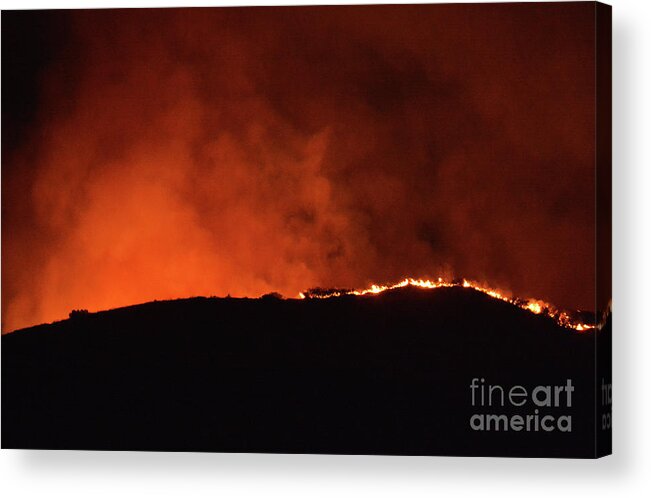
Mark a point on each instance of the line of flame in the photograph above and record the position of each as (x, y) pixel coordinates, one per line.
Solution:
(534, 306)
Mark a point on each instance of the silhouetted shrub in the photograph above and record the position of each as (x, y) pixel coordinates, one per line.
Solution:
(273, 295)
(78, 314)
(318, 292)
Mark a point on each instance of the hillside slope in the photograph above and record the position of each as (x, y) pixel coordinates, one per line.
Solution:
(385, 374)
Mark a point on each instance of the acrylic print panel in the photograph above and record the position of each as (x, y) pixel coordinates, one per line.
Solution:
(350, 229)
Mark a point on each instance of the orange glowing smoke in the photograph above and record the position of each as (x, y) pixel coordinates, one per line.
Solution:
(177, 153)
(535, 306)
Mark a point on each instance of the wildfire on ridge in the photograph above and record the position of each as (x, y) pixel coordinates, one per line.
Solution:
(534, 306)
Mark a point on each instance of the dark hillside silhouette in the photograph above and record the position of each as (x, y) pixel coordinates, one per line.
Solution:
(385, 374)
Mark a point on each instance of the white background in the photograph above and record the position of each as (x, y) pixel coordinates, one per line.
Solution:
(626, 473)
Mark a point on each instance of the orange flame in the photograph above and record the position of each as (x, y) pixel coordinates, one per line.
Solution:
(535, 306)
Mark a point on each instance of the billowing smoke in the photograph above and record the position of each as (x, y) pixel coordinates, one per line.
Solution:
(175, 153)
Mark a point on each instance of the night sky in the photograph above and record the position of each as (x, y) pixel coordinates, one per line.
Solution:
(154, 154)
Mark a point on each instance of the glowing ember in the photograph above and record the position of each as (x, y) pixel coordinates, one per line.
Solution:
(535, 306)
